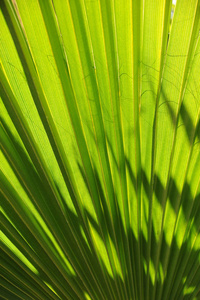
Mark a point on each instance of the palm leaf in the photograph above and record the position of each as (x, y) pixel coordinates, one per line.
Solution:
(100, 160)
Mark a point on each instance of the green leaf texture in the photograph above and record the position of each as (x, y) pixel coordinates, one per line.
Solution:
(100, 149)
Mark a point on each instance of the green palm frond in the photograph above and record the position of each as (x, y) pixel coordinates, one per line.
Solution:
(100, 155)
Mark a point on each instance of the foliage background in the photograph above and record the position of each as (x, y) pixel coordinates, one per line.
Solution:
(100, 160)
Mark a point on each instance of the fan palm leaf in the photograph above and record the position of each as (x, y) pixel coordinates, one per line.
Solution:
(100, 160)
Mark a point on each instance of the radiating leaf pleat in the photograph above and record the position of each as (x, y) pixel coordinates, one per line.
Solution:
(99, 139)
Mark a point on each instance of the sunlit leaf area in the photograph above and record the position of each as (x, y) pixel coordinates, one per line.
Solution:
(100, 149)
